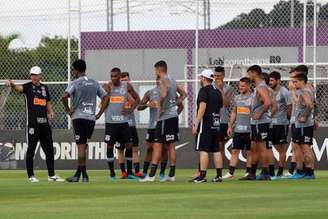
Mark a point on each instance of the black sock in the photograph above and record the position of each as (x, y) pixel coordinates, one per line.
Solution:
(129, 167)
(292, 167)
(163, 167)
(231, 170)
(265, 171)
(172, 171)
(78, 172)
(271, 170)
(280, 171)
(122, 167)
(202, 174)
(111, 168)
(153, 170)
(248, 169)
(308, 171)
(84, 171)
(218, 172)
(145, 167)
(253, 169)
(136, 167)
(299, 171)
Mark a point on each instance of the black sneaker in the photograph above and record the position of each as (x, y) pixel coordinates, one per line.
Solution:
(200, 180)
(193, 178)
(264, 177)
(85, 179)
(248, 177)
(73, 179)
(217, 179)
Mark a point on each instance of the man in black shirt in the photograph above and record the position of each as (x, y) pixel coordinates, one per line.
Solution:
(39, 111)
(207, 125)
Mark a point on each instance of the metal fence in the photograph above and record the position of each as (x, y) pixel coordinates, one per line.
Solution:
(134, 34)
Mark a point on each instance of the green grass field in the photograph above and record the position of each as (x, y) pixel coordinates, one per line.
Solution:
(129, 199)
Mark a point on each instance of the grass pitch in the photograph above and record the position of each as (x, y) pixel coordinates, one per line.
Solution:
(102, 198)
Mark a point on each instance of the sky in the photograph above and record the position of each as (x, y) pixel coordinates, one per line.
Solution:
(33, 19)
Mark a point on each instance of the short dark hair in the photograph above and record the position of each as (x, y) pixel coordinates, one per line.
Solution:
(275, 75)
(301, 77)
(117, 70)
(125, 74)
(161, 64)
(255, 68)
(245, 79)
(265, 77)
(219, 69)
(302, 68)
(79, 65)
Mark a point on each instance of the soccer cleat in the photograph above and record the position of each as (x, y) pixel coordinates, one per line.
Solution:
(276, 177)
(73, 179)
(85, 179)
(286, 176)
(139, 175)
(55, 179)
(131, 176)
(259, 176)
(170, 179)
(228, 176)
(248, 177)
(193, 179)
(33, 179)
(112, 178)
(263, 177)
(124, 175)
(309, 177)
(162, 177)
(296, 176)
(217, 179)
(200, 180)
(147, 179)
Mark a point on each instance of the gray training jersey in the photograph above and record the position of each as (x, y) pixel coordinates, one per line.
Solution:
(153, 95)
(283, 99)
(294, 106)
(301, 108)
(224, 113)
(83, 92)
(243, 117)
(169, 105)
(257, 106)
(118, 97)
(132, 120)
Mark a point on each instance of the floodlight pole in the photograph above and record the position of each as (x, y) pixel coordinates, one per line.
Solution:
(315, 20)
(196, 44)
(304, 31)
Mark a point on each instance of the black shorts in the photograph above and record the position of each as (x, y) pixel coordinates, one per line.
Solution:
(150, 135)
(134, 138)
(278, 134)
(167, 131)
(207, 141)
(42, 133)
(223, 132)
(294, 133)
(117, 134)
(304, 135)
(83, 130)
(241, 141)
(260, 132)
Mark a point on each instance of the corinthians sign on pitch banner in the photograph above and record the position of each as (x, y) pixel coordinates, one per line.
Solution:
(13, 148)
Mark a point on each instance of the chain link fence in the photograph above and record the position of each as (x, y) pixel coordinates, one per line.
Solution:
(134, 34)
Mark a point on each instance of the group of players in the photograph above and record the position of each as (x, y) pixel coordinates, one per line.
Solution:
(258, 121)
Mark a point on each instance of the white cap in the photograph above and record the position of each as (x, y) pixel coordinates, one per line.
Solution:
(35, 70)
(207, 73)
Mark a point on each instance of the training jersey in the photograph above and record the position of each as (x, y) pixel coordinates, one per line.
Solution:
(257, 106)
(301, 108)
(283, 99)
(132, 120)
(169, 104)
(83, 92)
(243, 116)
(153, 95)
(224, 113)
(118, 97)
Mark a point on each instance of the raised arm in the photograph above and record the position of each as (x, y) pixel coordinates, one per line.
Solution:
(18, 88)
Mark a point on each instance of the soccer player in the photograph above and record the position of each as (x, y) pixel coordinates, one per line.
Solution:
(207, 125)
(39, 111)
(132, 153)
(260, 122)
(117, 108)
(227, 93)
(304, 123)
(239, 125)
(280, 121)
(167, 126)
(83, 92)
